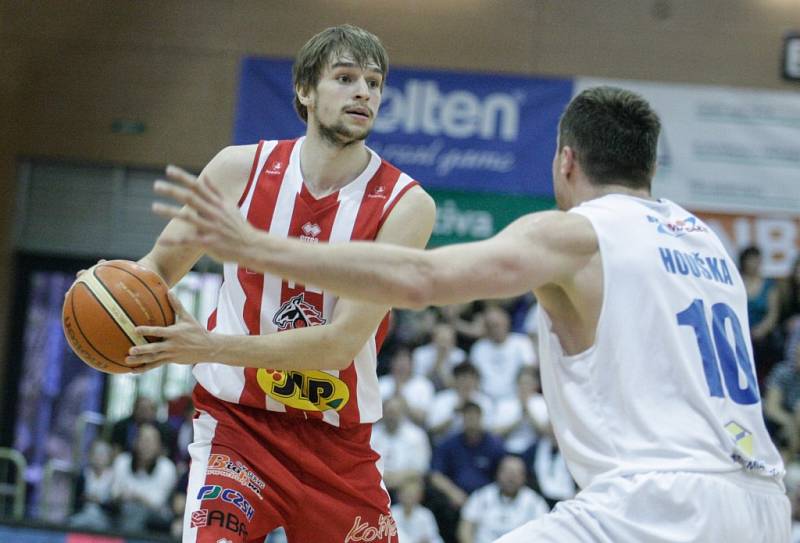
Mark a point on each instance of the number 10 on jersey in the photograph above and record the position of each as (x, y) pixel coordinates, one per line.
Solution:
(718, 352)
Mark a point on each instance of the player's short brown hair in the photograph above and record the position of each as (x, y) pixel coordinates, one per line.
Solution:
(614, 133)
(314, 56)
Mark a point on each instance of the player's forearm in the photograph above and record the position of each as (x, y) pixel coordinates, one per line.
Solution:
(316, 348)
(389, 274)
(379, 273)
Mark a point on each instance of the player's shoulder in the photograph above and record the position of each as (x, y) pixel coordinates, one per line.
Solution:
(419, 199)
(236, 155)
(557, 228)
(230, 168)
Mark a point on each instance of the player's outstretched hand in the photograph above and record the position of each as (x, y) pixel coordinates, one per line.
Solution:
(185, 342)
(218, 226)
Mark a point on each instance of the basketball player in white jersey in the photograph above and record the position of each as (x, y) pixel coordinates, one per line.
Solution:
(645, 363)
(284, 419)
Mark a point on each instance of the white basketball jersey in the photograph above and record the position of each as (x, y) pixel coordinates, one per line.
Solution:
(669, 384)
(250, 303)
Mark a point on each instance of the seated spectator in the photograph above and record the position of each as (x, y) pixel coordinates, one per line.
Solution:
(416, 390)
(415, 521)
(93, 504)
(790, 309)
(520, 418)
(782, 400)
(461, 463)
(467, 321)
(547, 469)
(499, 507)
(182, 426)
(436, 360)
(178, 505)
(143, 483)
(467, 460)
(403, 446)
(445, 412)
(500, 354)
(793, 491)
(763, 310)
(125, 430)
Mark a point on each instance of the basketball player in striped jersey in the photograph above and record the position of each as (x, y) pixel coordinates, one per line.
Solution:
(287, 389)
(645, 363)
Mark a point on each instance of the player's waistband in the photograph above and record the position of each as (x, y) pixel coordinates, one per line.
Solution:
(751, 481)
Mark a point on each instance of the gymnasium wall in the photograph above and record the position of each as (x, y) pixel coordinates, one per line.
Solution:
(69, 70)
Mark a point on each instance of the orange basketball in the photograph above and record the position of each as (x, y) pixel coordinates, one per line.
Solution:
(105, 304)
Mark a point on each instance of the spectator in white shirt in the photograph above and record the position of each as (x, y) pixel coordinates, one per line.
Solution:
(444, 415)
(436, 360)
(416, 522)
(519, 419)
(416, 390)
(143, 483)
(404, 447)
(498, 508)
(93, 490)
(500, 355)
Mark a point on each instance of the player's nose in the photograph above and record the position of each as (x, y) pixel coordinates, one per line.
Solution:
(362, 88)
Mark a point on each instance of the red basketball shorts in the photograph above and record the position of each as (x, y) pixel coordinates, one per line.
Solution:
(253, 470)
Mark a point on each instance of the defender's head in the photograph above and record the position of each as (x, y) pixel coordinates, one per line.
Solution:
(608, 136)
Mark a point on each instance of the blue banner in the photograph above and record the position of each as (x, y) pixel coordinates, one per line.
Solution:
(448, 130)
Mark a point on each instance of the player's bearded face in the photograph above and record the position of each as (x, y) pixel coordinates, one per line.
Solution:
(346, 101)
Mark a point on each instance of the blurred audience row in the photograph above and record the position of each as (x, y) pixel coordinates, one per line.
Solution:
(466, 442)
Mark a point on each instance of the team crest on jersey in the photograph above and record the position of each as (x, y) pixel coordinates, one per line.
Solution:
(296, 312)
(679, 227)
(308, 390)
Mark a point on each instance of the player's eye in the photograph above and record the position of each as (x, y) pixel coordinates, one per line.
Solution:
(374, 83)
(344, 78)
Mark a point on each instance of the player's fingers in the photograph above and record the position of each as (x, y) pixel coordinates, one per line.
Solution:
(81, 272)
(211, 188)
(201, 202)
(180, 175)
(184, 214)
(150, 331)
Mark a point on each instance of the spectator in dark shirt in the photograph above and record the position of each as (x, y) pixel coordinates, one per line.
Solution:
(462, 463)
(467, 460)
(124, 431)
(782, 401)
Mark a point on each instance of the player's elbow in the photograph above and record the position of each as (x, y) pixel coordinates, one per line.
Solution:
(419, 287)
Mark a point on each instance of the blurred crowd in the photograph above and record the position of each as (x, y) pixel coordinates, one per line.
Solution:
(467, 448)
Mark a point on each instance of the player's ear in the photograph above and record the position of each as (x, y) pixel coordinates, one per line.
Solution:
(567, 160)
(304, 96)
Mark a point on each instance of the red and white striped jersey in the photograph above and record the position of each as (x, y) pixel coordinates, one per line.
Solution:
(276, 199)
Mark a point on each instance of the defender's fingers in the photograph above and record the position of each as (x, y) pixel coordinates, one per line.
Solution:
(176, 173)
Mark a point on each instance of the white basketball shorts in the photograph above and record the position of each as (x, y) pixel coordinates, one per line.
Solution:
(666, 508)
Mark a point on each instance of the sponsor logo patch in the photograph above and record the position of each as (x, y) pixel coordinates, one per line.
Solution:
(362, 531)
(199, 518)
(229, 495)
(678, 227)
(296, 312)
(222, 465)
(229, 521)
(309, 390)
